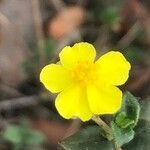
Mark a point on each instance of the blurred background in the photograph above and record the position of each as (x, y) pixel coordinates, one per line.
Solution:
(32, 33)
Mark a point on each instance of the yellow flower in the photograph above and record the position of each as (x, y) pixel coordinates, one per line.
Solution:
(86, 87)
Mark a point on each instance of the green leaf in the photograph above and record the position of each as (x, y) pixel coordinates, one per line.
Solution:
(35, 138)
(121, 136)
(129, 113)
(23, 135)
(12, 134)
(141, 140)
(87, 139)
(123, 121)
(145, 109)
(90, 139)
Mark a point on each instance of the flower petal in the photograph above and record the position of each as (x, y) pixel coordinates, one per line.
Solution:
(80, 52)
(104, 99)
(55, 78)
(114, 68)
(73, 103)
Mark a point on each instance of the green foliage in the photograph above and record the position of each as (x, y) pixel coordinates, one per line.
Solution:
(134, 54)
(145, 109)
(12, 134)
(130, 110)
(110, 15)
(122, 135)
(89, 138)
(22, 136)
(125, 120)
(49, 49)
(142, 136)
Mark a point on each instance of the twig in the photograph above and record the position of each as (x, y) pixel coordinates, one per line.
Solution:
(25, 101)
(6, 23)
(115, 146)
(74, 126)
(4, 20)
(138, 82)
(10, 91)
(129, 36)
(39, 32)
(103, 39)
(58, 4)
(119, 148)
(18, 102)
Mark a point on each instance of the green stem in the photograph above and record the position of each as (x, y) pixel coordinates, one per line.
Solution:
(108, 131)
(118, 148)
(104, 126)
(115, 146)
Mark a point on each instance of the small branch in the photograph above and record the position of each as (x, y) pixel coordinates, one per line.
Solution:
(10, 91)
(107, 129)
(129, 36)
(139, 82)
(115, 146)
(119, 148)
(25, 101)
(100, 122)
(4, 20)
(58, 4)
(18, 102)
(39, 32)
(73, 128)
(104, 126)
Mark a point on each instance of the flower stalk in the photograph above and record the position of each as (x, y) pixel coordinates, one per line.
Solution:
(104, 126)
(108, 131)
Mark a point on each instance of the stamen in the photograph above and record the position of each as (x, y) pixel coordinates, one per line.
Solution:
(84, 73)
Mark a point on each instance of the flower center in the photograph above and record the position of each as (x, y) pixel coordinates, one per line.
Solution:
(84, 73)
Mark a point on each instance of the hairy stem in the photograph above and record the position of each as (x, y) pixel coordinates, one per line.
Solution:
(104, 126)
(108, 131)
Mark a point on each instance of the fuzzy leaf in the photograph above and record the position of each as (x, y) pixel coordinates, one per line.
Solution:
(90, 139)
(129, 113)
(87, 139)
(123, 121)
(142, 136)
(145, 109)
(122, 136)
